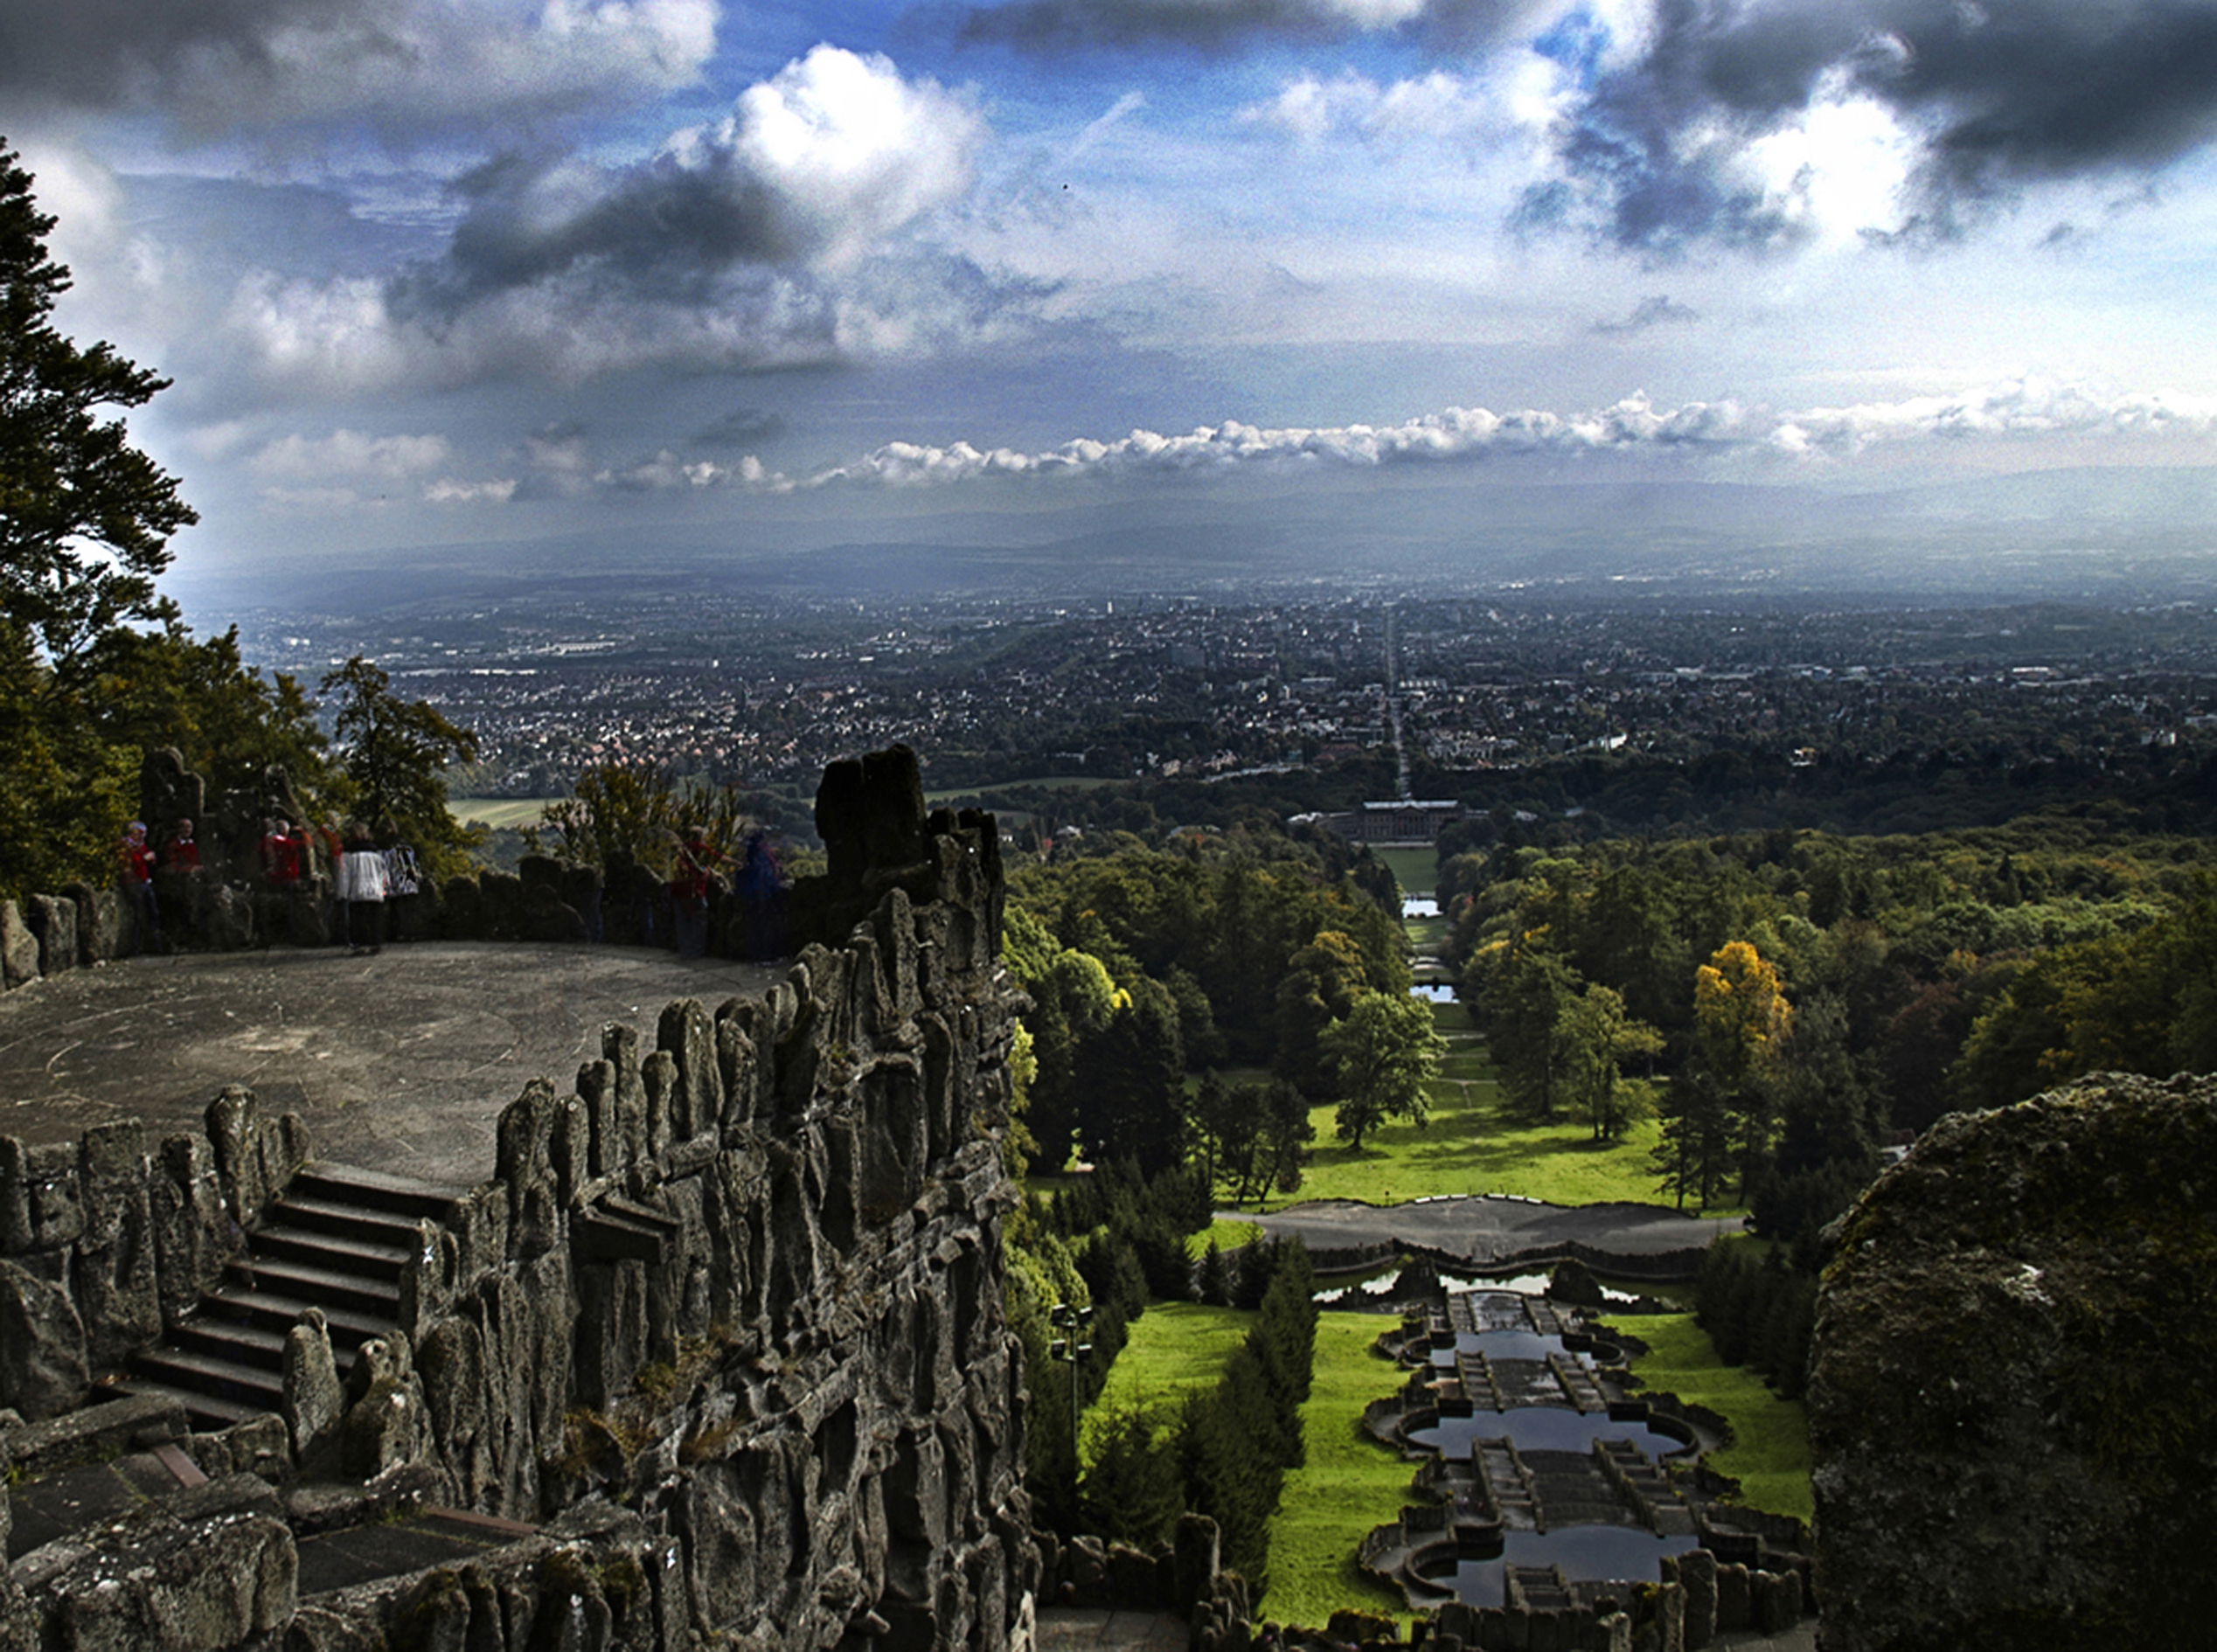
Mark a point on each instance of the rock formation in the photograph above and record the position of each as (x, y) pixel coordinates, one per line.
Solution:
(724, 1323)
(2014, 1440)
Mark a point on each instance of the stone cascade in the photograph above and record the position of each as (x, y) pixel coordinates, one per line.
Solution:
(1748, 1572)
(739, 1288)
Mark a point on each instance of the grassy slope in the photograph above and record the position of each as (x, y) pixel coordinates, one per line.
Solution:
(1349, 1483)
(1413, 869)
(1173, 1349)
(1472, 1143)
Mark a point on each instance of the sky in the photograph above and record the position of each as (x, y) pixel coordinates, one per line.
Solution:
(490, 272)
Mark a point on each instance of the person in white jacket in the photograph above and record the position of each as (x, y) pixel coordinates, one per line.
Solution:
(362, 886)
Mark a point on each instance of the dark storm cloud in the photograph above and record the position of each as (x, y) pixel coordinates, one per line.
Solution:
(104, 51)
(1998, 96)
(403, 65)
(664, 226)
(740, 429)
(1658, 309)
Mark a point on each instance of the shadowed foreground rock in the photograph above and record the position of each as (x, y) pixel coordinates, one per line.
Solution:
(2016, 1446)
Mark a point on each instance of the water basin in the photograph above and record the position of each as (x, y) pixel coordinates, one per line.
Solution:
(1585, 1553)
(1540, 1428)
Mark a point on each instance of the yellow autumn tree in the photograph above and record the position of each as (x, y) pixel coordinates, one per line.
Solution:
(1740, 1020)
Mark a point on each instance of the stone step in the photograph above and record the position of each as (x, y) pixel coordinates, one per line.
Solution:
(333, 1253)
(275, 1310)
(1541, 1589)
(242, 1341)
(325, 1288)
(368, 1189)
(204, 1378)
(207, 1412)
(310, 1212)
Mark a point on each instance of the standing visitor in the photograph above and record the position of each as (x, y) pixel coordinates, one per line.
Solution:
(403, 882)
(179, 868)
(138, 885)
(689, 890)
(334, 857)
(362, 887)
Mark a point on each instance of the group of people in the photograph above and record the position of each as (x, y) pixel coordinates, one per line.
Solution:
(141, 861)
(364, 876)
(696, 874)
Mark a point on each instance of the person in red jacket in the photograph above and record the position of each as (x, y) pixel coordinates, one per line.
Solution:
(284, 855)
(694, 876)
(138, 885)
(183, 856)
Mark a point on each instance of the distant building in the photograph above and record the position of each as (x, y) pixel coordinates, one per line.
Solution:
(1406, 820)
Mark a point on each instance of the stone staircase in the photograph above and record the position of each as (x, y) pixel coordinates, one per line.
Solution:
(336, 1241)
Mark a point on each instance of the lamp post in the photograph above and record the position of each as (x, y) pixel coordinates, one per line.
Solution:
(1072, 1322)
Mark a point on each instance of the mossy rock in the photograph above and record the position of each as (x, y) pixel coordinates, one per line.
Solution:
(2013, 1443)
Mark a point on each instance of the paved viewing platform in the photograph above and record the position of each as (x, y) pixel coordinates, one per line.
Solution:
(399, 1061)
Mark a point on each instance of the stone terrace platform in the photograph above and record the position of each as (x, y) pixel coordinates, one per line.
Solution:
(400, 1062)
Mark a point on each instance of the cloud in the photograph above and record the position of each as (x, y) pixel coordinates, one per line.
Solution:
(1657, 309)
(741, 427)
(1222, 25)
(1715, 432)
(225, 66)
(1661, 143)
(1462, 435)
(785, 234)
(1435, 107)
(350, 453)
(1051, 26)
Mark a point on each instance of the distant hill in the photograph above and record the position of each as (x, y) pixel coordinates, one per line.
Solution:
(2097, 533)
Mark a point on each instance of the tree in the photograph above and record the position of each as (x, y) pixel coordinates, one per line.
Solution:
(1527, 1000)
(1380, 1056)
(634, 813)
(396, 752)
(1321, 983)
(1131, 1103)
(1134, 1489)
(1741, 1021)
(1597, 1038)
(85, 517)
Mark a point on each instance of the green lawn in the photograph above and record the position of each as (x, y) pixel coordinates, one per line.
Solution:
(1770, 1454)
(1473, 1143)
(1413, 869)
(498, 811)
(1349, 1484)
(1173, 1349)
(1226, 1236)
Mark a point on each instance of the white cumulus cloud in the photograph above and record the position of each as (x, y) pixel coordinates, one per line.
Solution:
(350, 453)
(2019, 408)
(791, 232)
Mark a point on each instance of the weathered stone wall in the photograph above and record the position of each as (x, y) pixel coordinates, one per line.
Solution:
(106, 1240)
(742, 1290)
(2009, 1404)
